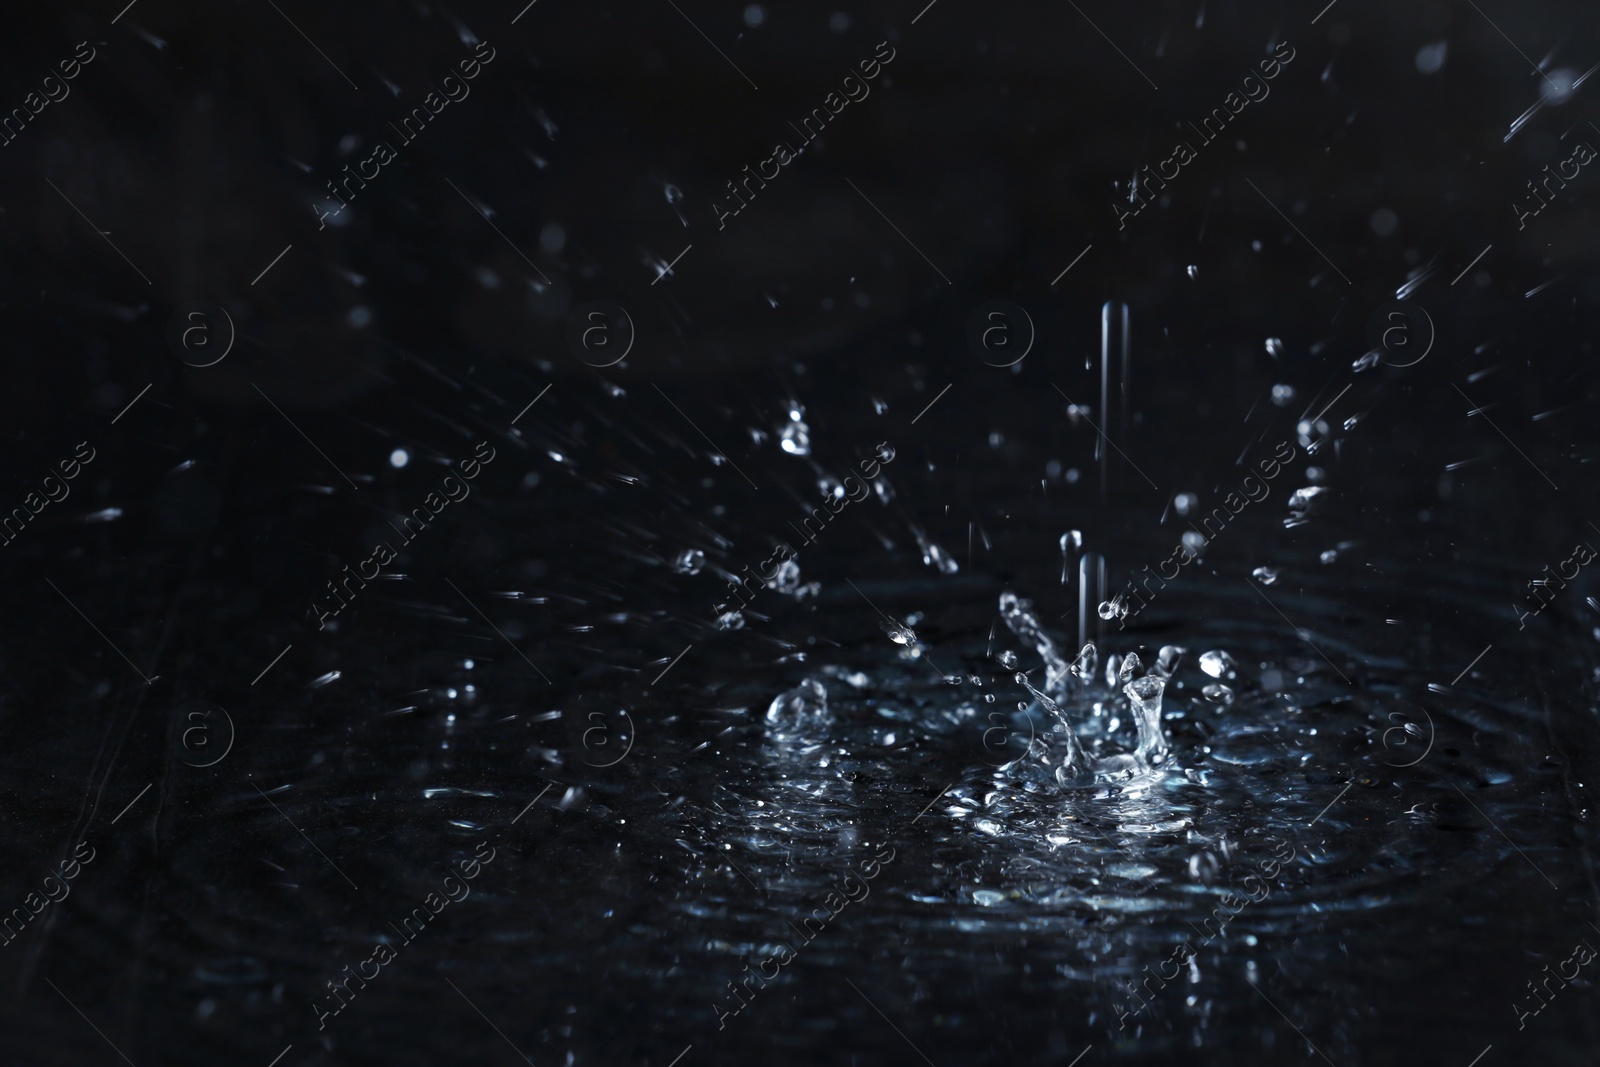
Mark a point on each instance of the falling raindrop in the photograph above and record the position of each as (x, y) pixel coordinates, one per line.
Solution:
(1071, 545)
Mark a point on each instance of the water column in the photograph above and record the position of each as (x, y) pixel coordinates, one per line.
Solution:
(1114, 368)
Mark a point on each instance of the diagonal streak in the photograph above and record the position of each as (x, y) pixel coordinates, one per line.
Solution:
(1113, 44)
(1107, 440)
(102, 233)
(1479, 411)
(498, 230)
(490, 1021)
(901, 232)
(302, 433)
(1297, 229)
(890, 1021)
(713, 44)
(1513, 44)
(1510, 842)
(1298, 632)
(302, 833)
(708, 440)
(1290, 1021)
(313, 44)
(97, 630)
(89, 1021)
(497, 630)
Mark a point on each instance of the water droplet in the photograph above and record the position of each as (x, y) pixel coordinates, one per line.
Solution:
(1203, 867)
(1300, 500)
(1282, 395)
(1217, 694)
(900, 634)
(885, 452)
(689, 561)
(933, 555)
(1368, 361)
(730, 620)
(1264, 575)
(794, 436)
(1008, 660)
(1193, 271)
(1167, 660)
(1329, 556)
(399, 458)
(799, 712)
(1275, 347)
(786, 579)
(1431, 57)
(988, 897)
(1216, 663)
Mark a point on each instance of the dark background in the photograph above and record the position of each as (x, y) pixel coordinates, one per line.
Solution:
(988, 156)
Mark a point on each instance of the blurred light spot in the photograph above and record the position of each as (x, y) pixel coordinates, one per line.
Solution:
(754, 15)
(1430, 57)
(399, 458)
(1557, 86)
(1384, 222)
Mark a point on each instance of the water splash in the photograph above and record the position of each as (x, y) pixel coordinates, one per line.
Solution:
(799, 713)
(1103, 760)
(794, 436)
